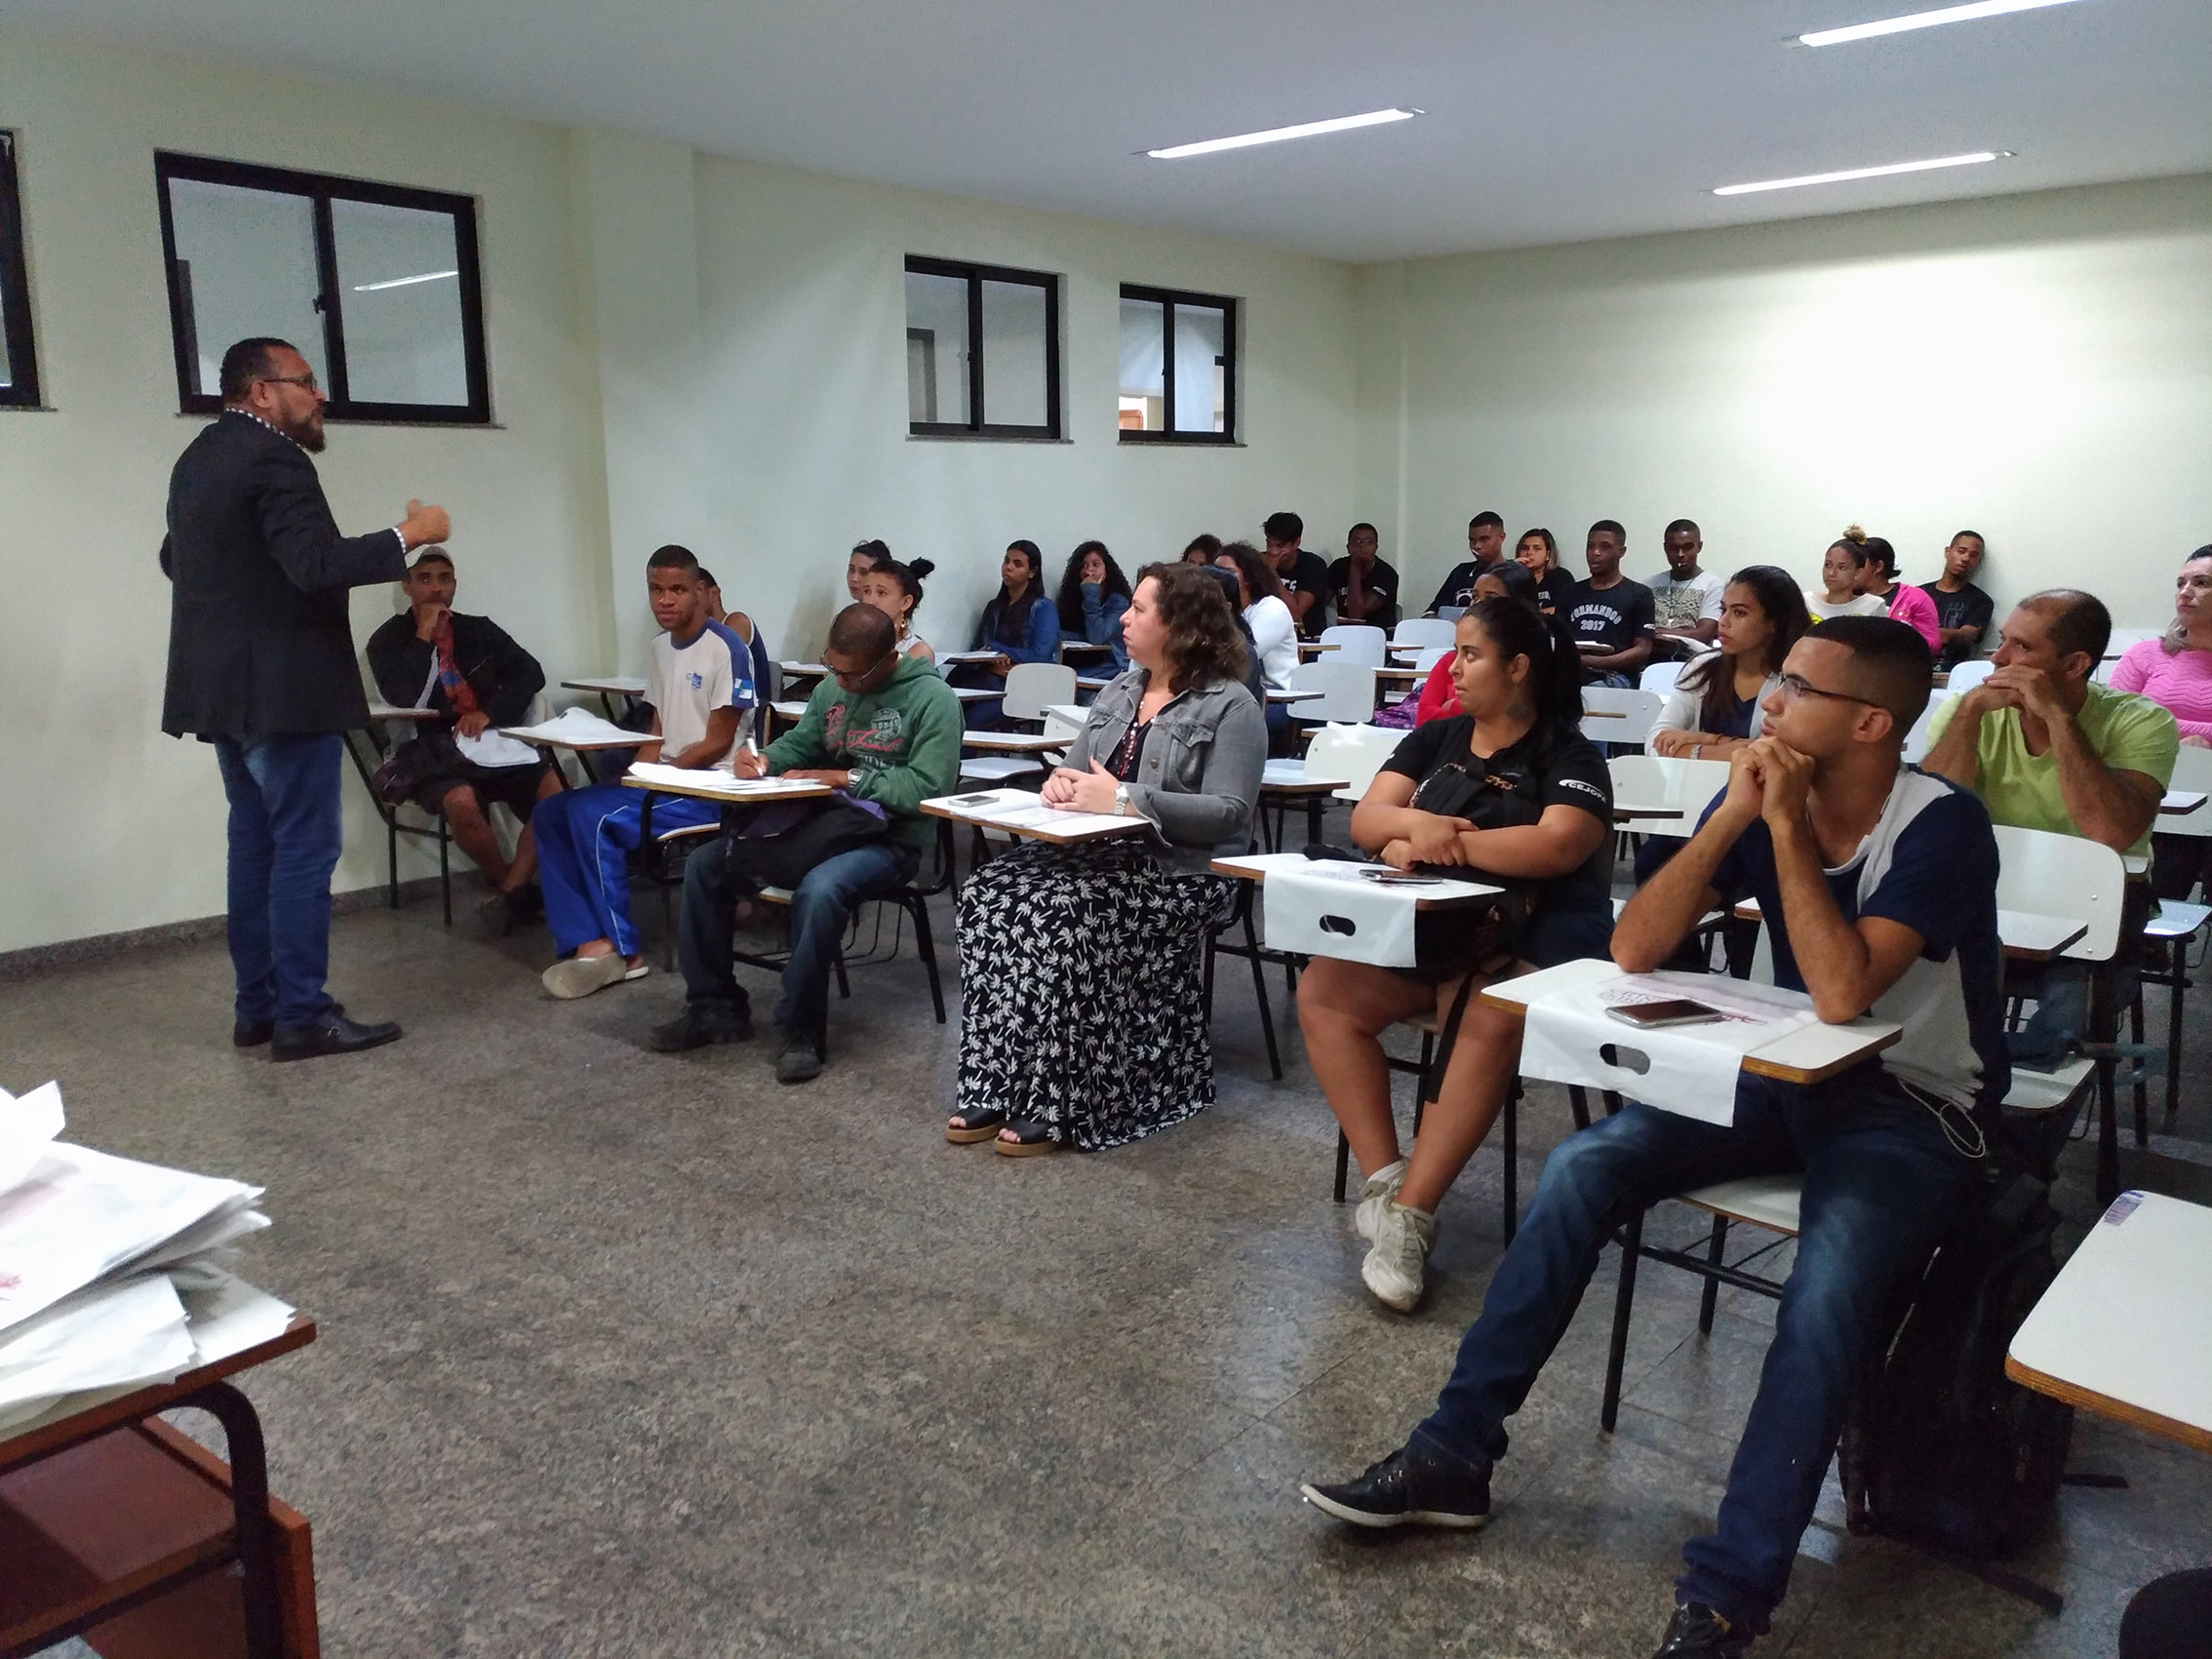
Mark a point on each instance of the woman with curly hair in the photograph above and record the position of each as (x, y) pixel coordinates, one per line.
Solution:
(1082, 965)
(1093, 594)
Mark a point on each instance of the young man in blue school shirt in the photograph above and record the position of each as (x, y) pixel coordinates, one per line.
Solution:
(1879, 883)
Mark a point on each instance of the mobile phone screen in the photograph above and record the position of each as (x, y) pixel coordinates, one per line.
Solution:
(1677, 1010)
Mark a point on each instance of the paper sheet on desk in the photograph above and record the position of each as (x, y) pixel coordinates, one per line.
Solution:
(490, 748)
(28, 1123)
(579, 725)
(651, 772)
(1689, 1069)
(1020, 808)
(1336, 909)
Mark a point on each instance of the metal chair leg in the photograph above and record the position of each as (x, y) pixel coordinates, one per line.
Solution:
(1714, 1253)
(445, 869)
(925, 947)
(2177, 983)
(1343, 1164)
(1624, 1301)
(1261, 998)
(1578, 1103)
(1511, 1150)
(2142, 1082)
(391, 863)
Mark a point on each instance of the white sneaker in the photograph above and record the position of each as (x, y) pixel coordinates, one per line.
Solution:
(1393, 1268)
(1379, 1189)
(580, 975)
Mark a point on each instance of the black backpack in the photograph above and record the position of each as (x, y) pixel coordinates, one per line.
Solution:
(1944, 1450)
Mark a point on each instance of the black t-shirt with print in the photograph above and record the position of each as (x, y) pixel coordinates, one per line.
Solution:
(1968, 608)
(1381, 579)
(1556, 592)
(1308, 574)
(1612, 617)
(1552, 766)
(1458, 588)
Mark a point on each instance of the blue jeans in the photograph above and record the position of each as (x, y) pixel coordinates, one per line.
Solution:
(820, 905)
(284, 844)
(584, 840)
(1880, 1187)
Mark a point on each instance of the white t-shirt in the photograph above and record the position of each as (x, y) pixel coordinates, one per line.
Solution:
(687, 682)
(1276, 632)
(1863, 605)
(911, 641)
(1682, 604)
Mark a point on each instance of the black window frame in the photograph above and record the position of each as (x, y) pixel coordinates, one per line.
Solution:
(1167, 298)
(975, 275)
(22, 389)
(322, 189)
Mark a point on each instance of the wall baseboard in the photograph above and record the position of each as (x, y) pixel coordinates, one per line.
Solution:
(35, 960)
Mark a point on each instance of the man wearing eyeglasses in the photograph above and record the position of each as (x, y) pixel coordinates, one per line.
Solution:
(261, 665)
(884, 729)
(1878, 884)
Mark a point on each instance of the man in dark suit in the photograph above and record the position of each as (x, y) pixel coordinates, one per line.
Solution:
(261, 664)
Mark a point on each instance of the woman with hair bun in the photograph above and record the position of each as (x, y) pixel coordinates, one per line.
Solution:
(1901, 600)
(896, 589)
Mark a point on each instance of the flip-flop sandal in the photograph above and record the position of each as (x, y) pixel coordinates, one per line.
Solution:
(981, 1123)
(1032, 1139)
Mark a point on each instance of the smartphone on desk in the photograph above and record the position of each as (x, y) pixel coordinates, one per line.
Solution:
(1674, 1011)
(1400, 879)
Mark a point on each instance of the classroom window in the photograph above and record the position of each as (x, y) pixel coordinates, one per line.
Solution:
(982, 351)
(19, 364)
(377, 285)
(1178, 366)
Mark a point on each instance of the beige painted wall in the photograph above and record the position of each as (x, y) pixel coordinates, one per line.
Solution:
(2039, 368)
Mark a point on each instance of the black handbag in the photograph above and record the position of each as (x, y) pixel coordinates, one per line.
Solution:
(415, 763)
(774, 846)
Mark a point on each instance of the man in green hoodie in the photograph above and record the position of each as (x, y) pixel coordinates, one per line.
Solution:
(885, 728)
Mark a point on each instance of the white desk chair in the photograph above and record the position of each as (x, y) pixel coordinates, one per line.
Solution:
(1347, 688)
(2176, 924)
(1666, 781)
(1660, 677)
(1916, 739)
(1424, 631)
(1032, 686)
(1354, 753)
(1967, 675)
(1612, 714)
(1428, 656)
(1356, 642)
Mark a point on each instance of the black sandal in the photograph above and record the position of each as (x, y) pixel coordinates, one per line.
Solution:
(1033, 1138)
(981, 1123)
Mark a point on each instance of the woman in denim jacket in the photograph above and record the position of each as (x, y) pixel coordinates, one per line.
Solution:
(1081, 965)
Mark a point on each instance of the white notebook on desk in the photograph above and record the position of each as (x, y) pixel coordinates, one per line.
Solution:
(1019, 810)
(579, 725)
(653, 774)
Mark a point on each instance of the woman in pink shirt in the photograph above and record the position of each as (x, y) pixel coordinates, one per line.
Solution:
(2175, 671)
(1878, 578)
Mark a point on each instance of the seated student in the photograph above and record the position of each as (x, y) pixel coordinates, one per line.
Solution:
(1439, 696)
(698, 690)
(1719, 701)
(1877, 579)
(1093, 594)
(744, 627)
(896, 589)
(864, 557)
(477, 678)
(2175, 672)
(1231, 592)
(1539, 554)
(1486, 545)
(1963, 612)
(1082, 967)
(1019, 624)
(1686, 600)
(1304, 575)
(1508, 789)
(1268, 619)
(1202, 549)
(1360, 586)
(883, 728)
(1841, 594)
(1612, 617)
(1879, 889)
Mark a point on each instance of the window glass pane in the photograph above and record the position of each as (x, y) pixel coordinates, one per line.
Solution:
(936, 349)
(1013, 354)
(245, 266)
(400, 300)
(1144, 380)
(1200, 382)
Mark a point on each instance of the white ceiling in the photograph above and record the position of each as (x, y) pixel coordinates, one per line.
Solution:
(1548, 120)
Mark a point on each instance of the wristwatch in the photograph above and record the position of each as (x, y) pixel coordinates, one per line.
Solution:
(1121, 800)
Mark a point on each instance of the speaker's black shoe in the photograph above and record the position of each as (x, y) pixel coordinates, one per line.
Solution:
(1697, 1632)
(331, 1034)
(1413, 1486)
(253, 1033)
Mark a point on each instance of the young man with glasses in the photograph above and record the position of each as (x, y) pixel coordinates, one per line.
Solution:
(885, 730)
(260, 665)
(1879, 884)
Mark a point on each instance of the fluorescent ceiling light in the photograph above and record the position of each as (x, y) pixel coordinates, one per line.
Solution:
(1925, 21)
(1860, 173)
(402, 281)
(1276, 134)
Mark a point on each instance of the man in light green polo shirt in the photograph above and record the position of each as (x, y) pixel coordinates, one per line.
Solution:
(2048, 748)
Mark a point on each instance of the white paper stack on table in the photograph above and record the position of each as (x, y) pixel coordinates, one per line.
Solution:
(110, 1274)
(579, 728)
(1021, 810)
(691, 780)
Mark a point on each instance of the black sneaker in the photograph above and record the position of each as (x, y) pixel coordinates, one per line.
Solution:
(330, 1034)
(1412, 1486)
(699, 1026)
(1697, 1632)
(799, 1059)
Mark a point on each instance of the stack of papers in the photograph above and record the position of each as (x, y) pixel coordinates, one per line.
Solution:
(656, 775)
(579, 728)
(1021, 810)
(110, 1270)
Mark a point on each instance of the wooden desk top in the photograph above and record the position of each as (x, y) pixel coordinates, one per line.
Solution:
(2125, 1331)
(70, 1423)
(389, 711)
(612, 685)
(1811, 1055)
(2176, 802)
(2024, 934)
(1012, 742)
(1450, 894)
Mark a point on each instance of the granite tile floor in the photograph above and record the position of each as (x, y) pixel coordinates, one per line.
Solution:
(630, 1355)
